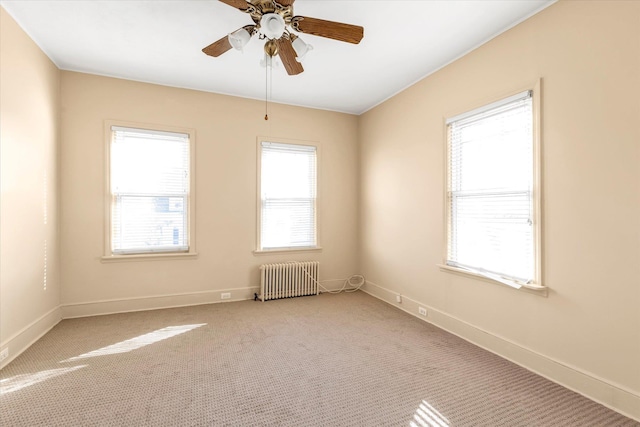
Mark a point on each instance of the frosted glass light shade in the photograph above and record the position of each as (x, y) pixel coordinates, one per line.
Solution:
(272, 25)
(239, 39)
(267, 61)
(301, 48)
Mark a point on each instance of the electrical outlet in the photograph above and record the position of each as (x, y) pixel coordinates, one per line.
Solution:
(422, 311)
(4, 354)
(225, 295)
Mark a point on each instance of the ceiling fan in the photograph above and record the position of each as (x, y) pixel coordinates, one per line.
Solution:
(274, 20)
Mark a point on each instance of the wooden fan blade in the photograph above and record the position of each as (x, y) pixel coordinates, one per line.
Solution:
(218, 48)
(288, 55)
(285, 3)
(238, 4)
(332, 30)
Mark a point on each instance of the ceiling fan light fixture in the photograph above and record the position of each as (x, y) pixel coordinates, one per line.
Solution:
(272, 25)
(269, 61)
(301, 48)
(239, 39)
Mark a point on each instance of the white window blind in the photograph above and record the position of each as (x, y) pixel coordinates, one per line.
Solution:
(490, 190)
(288, 196)
(149, 191)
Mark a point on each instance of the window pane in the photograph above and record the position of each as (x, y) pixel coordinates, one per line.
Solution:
(494, 153)
(148, 164)
(149, 224)
(288, 196)
(150, 189)
(493, 232)
(491, 191)
(288, 223)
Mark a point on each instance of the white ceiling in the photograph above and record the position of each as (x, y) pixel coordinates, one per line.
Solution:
(161, 41)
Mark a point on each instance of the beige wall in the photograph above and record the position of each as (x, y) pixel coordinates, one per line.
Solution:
(29, 99)
(226, 130)
(588, 55)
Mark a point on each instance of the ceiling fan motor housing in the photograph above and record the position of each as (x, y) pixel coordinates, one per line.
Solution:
(258, 8)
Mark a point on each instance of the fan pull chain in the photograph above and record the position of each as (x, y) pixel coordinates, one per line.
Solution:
(266, 89)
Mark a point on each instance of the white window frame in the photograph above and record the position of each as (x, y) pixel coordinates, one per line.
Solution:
(108, 254)
(317, 145)
(537, 283)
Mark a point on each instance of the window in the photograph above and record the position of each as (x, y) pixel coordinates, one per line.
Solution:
(492, 192)
(150, 191)
(288, 202)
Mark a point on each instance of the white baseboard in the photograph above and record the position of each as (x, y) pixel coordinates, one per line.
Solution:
(155, 302)
(23, 339)
(613, 396)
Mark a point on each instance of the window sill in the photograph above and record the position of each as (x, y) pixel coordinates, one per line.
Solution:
(286, 250)
(149, 257)
(531, 288)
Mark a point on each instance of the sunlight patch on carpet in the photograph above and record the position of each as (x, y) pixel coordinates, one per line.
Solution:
(428, 416)
(18, 382)
(138, 342)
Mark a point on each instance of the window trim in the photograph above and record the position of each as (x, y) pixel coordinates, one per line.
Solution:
(537, 285)
(317, 145)
(108, 255)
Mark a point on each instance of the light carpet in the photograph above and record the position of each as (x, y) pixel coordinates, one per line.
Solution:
(328, 360)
